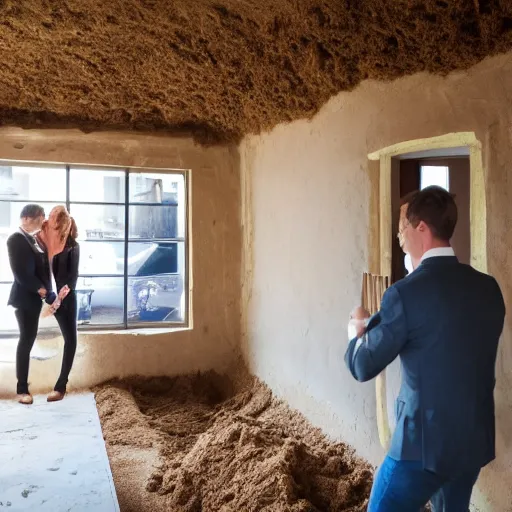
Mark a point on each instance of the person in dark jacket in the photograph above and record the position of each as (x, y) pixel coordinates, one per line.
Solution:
(444, 321)
(58, 238)
(31, 285)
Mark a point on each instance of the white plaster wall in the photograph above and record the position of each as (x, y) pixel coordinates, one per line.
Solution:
(213, 340)
(306, 192)
(310, 238)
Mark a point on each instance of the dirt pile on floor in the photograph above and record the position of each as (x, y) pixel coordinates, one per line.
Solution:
(219, 451)
(223, 68)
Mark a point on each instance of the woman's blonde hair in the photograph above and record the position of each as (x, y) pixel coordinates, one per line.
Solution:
(73, 233)
(64, 227)
(63, 223)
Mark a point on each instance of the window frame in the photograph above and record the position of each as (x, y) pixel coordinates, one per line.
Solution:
(126, 240)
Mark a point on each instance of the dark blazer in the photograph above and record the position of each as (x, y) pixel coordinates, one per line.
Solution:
(444, 321)
(30, 269)
(65, 267)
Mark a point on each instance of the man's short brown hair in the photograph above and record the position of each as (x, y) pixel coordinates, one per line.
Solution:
(32, 211)
(408, 198)
(436, 207)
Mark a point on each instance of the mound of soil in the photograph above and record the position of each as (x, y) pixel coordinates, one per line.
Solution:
(191, 444)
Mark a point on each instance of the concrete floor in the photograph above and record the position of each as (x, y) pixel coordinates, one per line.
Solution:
(54, 458)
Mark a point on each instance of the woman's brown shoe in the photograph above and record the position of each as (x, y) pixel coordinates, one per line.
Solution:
(25, 399)
(55, 396)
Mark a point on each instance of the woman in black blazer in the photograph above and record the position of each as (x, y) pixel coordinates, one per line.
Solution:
(64, 266)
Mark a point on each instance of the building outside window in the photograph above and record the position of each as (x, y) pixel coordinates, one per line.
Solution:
(133, 240)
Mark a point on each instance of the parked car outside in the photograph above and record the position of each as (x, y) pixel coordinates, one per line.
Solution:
(155, 287)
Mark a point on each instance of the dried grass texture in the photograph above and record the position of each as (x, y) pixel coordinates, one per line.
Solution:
(220, 69)
(219, 451)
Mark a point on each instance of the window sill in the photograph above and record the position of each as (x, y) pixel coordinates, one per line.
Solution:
(52, 333)
(42, 352)
(136, 331)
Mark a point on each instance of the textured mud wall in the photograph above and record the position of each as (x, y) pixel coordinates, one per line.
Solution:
(223, 68)
(310, 189)
(216, 242)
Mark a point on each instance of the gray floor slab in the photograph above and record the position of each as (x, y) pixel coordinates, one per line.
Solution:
(53, 458)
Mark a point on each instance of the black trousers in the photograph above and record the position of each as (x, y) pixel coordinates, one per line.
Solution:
(28, 322)
(66, 317)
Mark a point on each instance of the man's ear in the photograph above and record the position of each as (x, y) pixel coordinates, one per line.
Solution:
(422, 227)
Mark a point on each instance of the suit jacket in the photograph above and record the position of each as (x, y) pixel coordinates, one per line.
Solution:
(30, 269)
(65, 267)
(444, 321)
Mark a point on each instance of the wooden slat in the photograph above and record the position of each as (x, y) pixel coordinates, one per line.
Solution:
(374, 287)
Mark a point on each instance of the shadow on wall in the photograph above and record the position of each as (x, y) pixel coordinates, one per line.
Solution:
(495, 479)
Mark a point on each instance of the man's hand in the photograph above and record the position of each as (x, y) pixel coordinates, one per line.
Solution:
(42, 292)
(357, 318)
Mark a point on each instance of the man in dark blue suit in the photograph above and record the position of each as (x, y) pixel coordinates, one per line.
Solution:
(444, 321)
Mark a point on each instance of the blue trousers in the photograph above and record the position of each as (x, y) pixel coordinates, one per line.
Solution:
(404, 486)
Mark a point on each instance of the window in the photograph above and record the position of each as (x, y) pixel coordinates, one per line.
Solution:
(133, 240)
(434, 175)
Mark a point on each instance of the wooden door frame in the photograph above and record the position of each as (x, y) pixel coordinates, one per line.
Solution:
(384, 231)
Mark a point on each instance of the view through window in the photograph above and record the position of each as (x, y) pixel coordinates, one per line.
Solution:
(435, 175)
(132, 235)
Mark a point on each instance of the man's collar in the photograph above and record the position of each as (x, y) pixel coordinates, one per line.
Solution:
(438, 251)
(26, 234)
(31, 239)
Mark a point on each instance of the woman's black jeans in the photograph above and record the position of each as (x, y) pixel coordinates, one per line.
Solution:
(66, 317)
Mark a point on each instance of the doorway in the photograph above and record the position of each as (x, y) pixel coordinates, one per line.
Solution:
(448, 168)
(383, 226)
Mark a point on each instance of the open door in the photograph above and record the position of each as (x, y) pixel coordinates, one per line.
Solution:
(452, 173)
